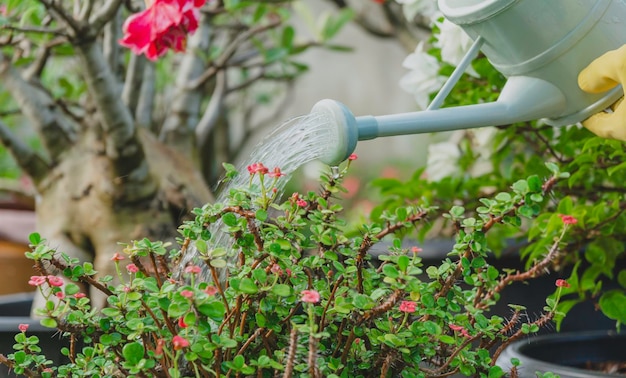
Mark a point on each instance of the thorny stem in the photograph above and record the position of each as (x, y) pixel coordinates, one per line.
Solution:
(291, 352)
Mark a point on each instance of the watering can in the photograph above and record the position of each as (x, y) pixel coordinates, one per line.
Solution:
(540, 46)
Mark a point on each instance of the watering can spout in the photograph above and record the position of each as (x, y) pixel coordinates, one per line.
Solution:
(522, 99)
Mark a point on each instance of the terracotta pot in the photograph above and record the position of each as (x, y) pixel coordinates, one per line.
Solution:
(15, 226)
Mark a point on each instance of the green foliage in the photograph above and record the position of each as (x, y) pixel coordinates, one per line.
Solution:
(240, 304)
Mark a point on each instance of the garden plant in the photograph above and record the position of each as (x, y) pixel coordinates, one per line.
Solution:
(279, 284)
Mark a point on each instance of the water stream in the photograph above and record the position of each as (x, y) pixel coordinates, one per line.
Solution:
(291, 145)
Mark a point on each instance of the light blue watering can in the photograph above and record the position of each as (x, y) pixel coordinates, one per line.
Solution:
(539, 45)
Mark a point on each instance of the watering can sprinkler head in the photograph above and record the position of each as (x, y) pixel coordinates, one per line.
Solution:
(540, 46)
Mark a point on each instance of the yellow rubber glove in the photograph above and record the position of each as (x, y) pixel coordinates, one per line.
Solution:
(602, 74)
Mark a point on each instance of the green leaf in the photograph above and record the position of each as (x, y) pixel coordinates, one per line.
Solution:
(261, 215)
(403, 262)
(229, 219)
(48, 323)
(248, 286)
(214, 310)
(34, 238)
(282, 290)
(133, 352)
(613, 305)
(390, 271)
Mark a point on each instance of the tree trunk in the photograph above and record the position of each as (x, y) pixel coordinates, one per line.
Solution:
(85, 210)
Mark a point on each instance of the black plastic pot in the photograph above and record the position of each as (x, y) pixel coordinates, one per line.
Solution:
(15, 310)
(569, 355)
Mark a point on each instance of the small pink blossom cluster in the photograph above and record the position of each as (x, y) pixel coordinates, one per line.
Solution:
(461, 329)
(568, 219)
(310, 296)
(263, 170)
(298, 201)
(51, 280)
(163, 25)
(408, 306)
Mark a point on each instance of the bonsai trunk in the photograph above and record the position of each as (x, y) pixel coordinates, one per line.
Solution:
(86, 209)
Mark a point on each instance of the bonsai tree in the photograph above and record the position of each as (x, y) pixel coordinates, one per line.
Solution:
(127, 144)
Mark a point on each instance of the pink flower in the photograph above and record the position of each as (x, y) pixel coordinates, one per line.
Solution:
(179, 342)
(407, 306)
(23, 327)
(210, 290)
(187, 293)
(257, 168)
(55, 281)
(276, 173)
(80, 295)
(59, 294)
(353, 157)
(117, 257)
(301, 203)
(562, 283)
(310, 296)
(37, 280)
(568, 219)
(163, 25)
(455, 327)
(181, 322)
(193, 269)
(132, 268)
(416, 250)
(276, 269)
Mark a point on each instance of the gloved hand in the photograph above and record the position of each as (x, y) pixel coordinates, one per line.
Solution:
(604, 73)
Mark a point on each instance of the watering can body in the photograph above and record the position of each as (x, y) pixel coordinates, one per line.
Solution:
(552, 40)
(540, 46)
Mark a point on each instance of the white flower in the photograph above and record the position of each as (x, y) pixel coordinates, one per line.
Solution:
(442, 160)
(412, 8)
(424, 78)
(454, 44)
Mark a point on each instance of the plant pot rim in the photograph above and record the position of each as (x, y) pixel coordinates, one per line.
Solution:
(519, 348)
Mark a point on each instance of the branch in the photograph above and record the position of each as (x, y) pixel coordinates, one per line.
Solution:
(213, 110)
(105, 14)
(115, 117)
(31, 162)
(230, 50)
(185, 108)
(57, 131)
(145, 102)
(110, 45)
(61, 14)
(133, 82)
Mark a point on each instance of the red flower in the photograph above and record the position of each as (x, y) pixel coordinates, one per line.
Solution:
(158, 352)
(132, 268)
(37, 280)
(80, 295)
(210, 290)
(23, 327)
(407, 306)
(187, 293)
(301, 203)
(258, 168)
(59, 294)
(164, 24)
(562, 283)
(310, 296)
(181, 322)
(568, 219)
(179, 342)
(276, 173)
(117, 257)
(193, 269)
(276, 270)
(55, 281)
(353, 157)
(416, 250)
